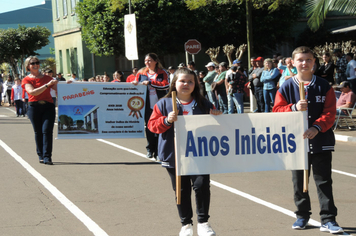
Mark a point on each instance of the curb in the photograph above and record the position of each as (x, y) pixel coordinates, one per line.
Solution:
(345, 138)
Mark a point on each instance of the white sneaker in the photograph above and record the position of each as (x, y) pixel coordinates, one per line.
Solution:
(186, 230)
(204, 229)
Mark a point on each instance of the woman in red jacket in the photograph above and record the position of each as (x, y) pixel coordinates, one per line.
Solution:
(156, 80)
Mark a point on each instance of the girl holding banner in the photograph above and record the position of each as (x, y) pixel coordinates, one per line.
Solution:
(156, 80)
(189, 102)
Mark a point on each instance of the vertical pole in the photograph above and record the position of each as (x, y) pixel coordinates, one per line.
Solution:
(132, 61)
(305, 179)
(186, 58)
(178, 178)
(193, 58)
(249, 45)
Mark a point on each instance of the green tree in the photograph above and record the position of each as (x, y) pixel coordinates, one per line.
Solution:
(49, 63)
(17, 44)
(318, 9)
(164, 26)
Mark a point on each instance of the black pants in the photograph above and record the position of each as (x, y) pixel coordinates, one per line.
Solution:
(152, 138)
(42, 118)
(19, 107)
(321, 166)
(201, 186)
(259, 99)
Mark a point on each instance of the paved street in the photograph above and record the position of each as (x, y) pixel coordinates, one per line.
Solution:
(108, 187)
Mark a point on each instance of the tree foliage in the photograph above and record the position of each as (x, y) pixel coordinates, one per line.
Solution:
(164, 26)
(102, 28)
(17, 44)
(317, 10)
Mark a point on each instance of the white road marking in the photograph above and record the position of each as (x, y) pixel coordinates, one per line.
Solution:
(237, 192)
(89, 223)
(343, 173)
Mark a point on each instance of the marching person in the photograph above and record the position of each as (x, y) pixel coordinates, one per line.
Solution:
(320, 104)
(156, 80)
(16, 97)
(189, 102)
(41, 110)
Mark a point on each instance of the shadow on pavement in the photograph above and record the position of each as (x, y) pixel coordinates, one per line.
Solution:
(107, 163)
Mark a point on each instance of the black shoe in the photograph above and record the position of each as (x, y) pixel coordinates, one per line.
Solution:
(48, 163)
(149, 155)
(41, 162)
(155, 156)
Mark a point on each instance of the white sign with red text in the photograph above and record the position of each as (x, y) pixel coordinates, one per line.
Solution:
(92, 110)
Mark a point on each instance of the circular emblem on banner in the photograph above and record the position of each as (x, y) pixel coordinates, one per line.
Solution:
(135, 104)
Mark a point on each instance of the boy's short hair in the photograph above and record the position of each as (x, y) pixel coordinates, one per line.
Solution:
(350, 54)
(302, 49)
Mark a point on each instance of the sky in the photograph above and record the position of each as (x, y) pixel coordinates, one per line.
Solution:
(12, 5)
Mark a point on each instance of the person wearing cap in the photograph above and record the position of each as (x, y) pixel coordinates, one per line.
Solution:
(254, 78)
(350, 71)
(347, 98)
(208, 80)
(235, 84)
(60, 77)
(181, 65)
(341, 65)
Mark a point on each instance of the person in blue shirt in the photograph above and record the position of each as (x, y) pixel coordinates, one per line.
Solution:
(288, 70)
(268, 78)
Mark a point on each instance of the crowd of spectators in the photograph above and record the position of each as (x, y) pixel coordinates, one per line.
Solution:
(228, 87)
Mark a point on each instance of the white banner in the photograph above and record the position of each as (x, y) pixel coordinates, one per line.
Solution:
(92, 110)
(130, 37)
(207, 144)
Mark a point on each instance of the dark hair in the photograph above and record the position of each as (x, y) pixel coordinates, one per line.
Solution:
(199, 99)
(350, 54)
(326, 54)
(202, 72)
(302, 49)
(119, 72)
(191, 63)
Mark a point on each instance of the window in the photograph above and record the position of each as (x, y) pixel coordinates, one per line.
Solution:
(73, 2)
(60, 61)
(69, 71)
(65, 12)
(57, 9)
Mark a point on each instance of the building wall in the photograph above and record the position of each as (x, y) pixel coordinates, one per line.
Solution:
(30, 17)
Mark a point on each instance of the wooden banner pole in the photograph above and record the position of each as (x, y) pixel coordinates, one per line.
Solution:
(305, 179)
(178, 178)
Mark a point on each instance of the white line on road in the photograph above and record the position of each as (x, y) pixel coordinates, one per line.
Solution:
(343, 173)
(89, 223)
(235, 191)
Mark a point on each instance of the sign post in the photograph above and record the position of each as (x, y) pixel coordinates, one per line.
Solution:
(192, 46)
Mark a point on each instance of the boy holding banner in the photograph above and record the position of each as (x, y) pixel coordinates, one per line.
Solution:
(320, 103)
